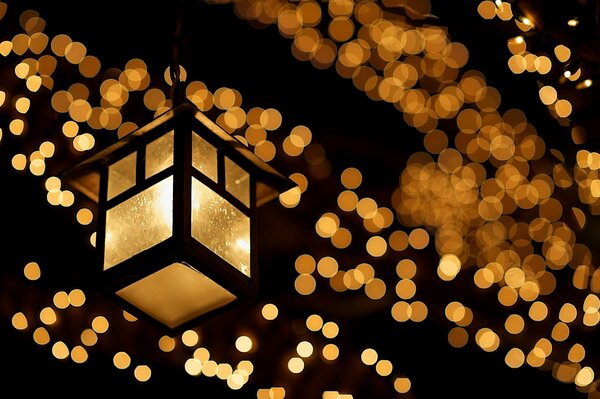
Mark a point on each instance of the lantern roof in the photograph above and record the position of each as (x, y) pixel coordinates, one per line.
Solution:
(85, 176)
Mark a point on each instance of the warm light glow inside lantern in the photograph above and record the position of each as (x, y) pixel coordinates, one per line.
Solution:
(177, 204)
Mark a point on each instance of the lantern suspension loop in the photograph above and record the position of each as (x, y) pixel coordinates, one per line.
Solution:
(176, 89)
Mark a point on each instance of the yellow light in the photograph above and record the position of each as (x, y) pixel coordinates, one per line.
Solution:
(402, 384)
(584, 85)
(270, 311)
(61, 300)
(305, 284)
(515, 358)
(455, 311)
(19, 321)
(375, 289)
(314, 322)
(5, 47)
(89, 337)
(376, 246)
(576, 353)
(291, 197)
(32, 271)
(584, 377)
(243, 344)
(304, 349)
(351, 178)
(41, 336)
(458, 337)
(573, 22)
(237, 379)
(209, 368)
(563, 53)
(22, 105)
(190, 338)
(548, 95)
(202, 354)
(79, 354)
(126, 315)
(60, 350)
(224, 370)
(331, 352)
(273, 393)
(384, 368)
(166, 343)
(245, 367)
(142, 373)
(100, 324)
(449, 267)
(84, 216)
(67, 200)
(296, 365)
(563, 108)
(193, 366)
(16, 127)
(77, 297)
(47, 149)
(327, 266)
(34, 83)
(369, 356)
(48, 316)
(330, 330)
(487, 339)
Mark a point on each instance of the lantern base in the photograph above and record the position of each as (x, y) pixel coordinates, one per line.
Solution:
(176, 294)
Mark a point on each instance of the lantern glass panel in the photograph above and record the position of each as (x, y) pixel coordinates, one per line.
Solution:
(159, 154)
(220, 227)
(204, 157)
(237, 181)
(176, 294)
(121, 176)
(138, 223)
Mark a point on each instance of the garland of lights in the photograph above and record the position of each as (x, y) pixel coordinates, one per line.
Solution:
(483, 136)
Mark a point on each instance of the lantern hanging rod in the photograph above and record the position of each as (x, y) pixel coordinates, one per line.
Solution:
(176, 55)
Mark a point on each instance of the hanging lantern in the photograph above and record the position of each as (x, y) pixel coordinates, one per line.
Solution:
(177, 209)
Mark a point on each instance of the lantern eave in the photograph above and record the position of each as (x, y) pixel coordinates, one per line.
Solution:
(85, 175)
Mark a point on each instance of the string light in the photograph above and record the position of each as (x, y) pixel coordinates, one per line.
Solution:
(522, 60)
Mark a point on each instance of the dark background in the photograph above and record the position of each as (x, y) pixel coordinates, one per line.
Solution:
(223, 50)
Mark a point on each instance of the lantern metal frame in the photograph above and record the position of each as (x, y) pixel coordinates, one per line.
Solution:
(90, 177)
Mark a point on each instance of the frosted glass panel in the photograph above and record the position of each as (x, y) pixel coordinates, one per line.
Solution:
(176, 294)
(204, 157)
(159, 154)
(121, 176)
(139, 223)
(221, 227)
(237, 181)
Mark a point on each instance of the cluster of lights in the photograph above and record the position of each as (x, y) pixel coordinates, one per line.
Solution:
(523, 60)
(492, 208)
(584, 172)
(506, 229)
(587, 179)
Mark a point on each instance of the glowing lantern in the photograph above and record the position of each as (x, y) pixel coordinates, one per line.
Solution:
(177, 206)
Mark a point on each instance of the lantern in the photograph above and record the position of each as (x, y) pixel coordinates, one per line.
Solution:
(177, 209)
